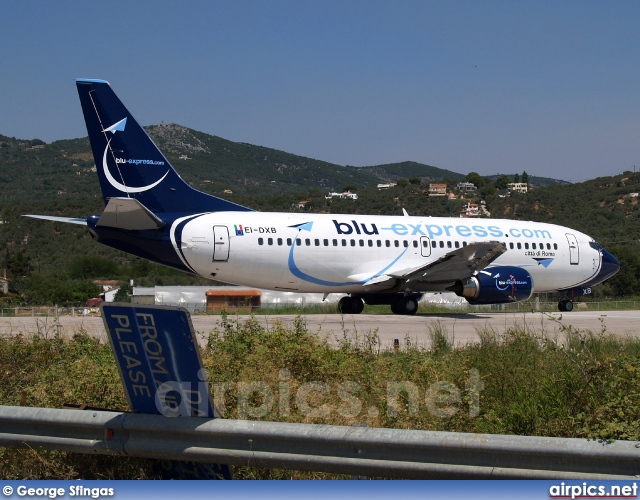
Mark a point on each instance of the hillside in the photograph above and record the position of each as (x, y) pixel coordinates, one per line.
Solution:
(60, 179)
(391, 172)
(603, 208)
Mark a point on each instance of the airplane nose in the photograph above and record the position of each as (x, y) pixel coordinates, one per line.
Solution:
(610, 266)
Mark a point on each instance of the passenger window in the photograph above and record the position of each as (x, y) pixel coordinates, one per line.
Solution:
(326, 243)
(434, 244)
(379, 243)
(387, 243)
(353, 243)
(270, 241)
(335, 243)
(464, 243)
(511, 246)
(260, 241)
(405, 243)
(279, 241)
(448, 244)
(317, 242)
(289, 242)
(361, 243)
(307, 242)
(555, 246)
(519, 246)
(533, 246)
(526, 246)
(370, 243)
(548, 246)
(457, 244)
(442, 244)
(415, 244)
(298, 241)
(344, 243)
(396, 243)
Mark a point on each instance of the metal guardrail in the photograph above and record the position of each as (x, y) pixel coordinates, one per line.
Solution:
(323, 448)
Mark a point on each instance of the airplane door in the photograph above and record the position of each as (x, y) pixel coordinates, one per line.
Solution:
(574, 251)
(220, 243)
(425, 246)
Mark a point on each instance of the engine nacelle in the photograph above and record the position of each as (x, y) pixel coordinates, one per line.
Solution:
(497, 285)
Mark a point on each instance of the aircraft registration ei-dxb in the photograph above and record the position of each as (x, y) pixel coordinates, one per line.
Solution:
(152, 213)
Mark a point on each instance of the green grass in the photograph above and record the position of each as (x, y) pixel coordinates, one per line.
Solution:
(547, 304)
(583, 384)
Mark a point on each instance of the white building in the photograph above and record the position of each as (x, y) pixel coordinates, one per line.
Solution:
(466, 187)
(344, 195)
(518, 187)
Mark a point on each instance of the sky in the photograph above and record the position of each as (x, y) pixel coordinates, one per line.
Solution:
(547, 87)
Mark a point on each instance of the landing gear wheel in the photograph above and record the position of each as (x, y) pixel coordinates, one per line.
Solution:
(410, 306)
(344, 305)
(397, 306)
(404, 305)
(565, 305)
(350, 305)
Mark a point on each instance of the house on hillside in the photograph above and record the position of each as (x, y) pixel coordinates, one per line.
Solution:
(437, 189)
(301, 204)
(387, 186)
(466, 187)
(518, 187)
(470, 210)
(343, 195)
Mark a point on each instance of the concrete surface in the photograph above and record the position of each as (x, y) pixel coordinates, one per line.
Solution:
(462, 328)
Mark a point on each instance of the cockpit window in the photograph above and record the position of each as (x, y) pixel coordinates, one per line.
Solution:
(595, 245)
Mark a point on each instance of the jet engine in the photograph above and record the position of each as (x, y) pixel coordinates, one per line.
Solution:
(496, 285)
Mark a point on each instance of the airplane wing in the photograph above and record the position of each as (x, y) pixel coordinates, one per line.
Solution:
(458, 264)
(69, 220)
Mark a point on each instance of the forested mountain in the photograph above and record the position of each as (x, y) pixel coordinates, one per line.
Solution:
(50, 261)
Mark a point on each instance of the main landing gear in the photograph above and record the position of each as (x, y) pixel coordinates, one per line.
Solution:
(350, 305)
(404, 305)
(565, 305)
(400, 303)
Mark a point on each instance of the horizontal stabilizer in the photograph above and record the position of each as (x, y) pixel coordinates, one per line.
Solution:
(68, 220)
(129, 214)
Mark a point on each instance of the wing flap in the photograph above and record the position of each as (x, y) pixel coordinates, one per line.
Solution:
(456, 265)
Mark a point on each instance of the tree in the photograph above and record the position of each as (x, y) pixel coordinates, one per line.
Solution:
(124, 292)
(415, 180)
(516, 178)
(502, 182)
(474, 178)
(402, 182)
(525, 177)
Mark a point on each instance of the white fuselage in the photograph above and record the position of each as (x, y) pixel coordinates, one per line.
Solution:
(339, 253)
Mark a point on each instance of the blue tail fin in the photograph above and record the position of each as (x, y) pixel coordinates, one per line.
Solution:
(129, 164)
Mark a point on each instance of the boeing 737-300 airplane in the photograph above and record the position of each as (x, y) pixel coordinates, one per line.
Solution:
(152, 213)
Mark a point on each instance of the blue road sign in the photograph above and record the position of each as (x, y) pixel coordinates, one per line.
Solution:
(157, 353)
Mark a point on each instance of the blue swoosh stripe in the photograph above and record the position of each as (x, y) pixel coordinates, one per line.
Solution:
(305, 277)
